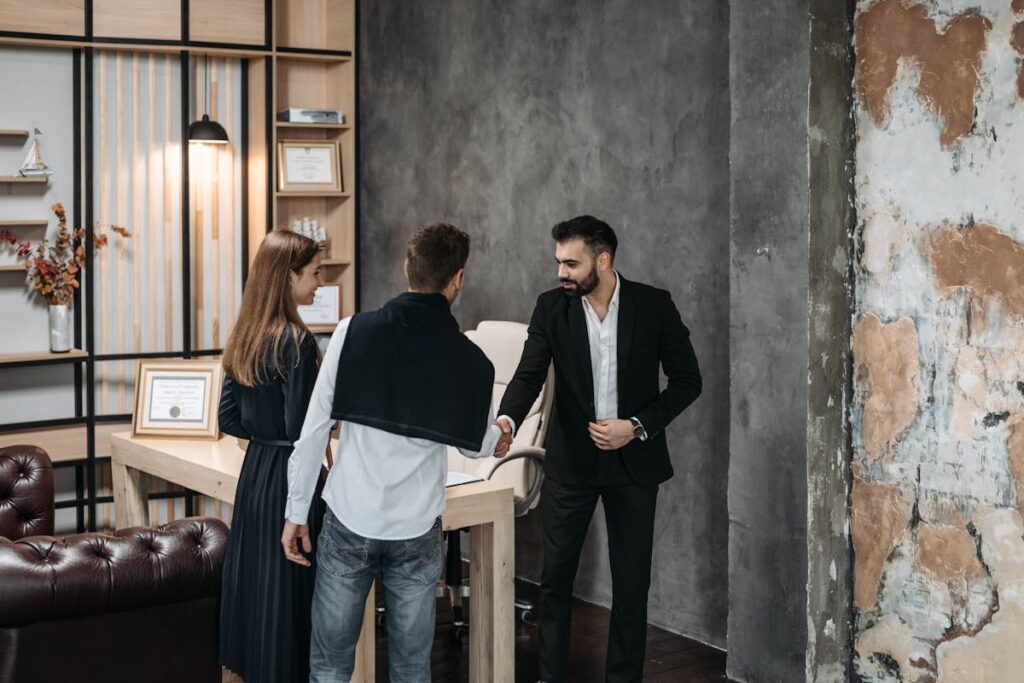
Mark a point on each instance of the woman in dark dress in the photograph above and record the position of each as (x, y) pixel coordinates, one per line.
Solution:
(270, 366)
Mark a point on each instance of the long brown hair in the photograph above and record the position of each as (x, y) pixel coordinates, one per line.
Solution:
(268, 310)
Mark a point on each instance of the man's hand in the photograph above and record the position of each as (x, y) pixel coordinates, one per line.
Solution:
(290, 542)
(505, 442)
(611, 435)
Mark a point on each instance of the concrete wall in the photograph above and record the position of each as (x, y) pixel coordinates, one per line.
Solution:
(790, 305)
(939, 453)
(768, 347)
(508, 117)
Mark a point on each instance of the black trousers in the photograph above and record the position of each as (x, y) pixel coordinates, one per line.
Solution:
(566, 511)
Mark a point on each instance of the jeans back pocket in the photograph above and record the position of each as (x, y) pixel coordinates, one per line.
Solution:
(342, 552)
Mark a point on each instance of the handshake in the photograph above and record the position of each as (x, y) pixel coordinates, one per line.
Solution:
(505, 442)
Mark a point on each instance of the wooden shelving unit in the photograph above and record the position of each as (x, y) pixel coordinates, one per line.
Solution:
(23, 224)
(312, 126)
(298, 53)
(314, 67)
(41, 357)
(12, 267)
(17, 179)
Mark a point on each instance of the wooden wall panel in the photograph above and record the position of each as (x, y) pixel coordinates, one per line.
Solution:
(215, 201)
(146, 19)
(138, 290)
(316, 24)
(258, 154)
(56, 17)
(238, 22)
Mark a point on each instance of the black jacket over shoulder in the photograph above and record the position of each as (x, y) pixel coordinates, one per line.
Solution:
(651, 338)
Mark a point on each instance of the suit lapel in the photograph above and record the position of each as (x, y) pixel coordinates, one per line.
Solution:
(581, 342)
(624, 335)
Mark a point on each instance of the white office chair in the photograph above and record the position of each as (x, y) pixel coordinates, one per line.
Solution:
(522, 468)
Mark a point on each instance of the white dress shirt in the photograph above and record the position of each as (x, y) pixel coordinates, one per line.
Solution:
(603, 336)
(382, 486)
(604, 360)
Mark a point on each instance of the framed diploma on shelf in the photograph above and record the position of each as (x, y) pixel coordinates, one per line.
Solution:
(325, 309)
(177, 398)
(309, 167)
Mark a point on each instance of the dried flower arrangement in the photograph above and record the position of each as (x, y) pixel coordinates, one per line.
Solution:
(52, 268)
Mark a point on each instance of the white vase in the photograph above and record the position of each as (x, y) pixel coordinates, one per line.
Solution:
(60, 328)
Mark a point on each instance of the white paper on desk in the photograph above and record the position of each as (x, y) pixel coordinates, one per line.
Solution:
(456, 478)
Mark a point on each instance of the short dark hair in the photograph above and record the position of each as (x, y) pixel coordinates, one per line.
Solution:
(595, 233)
(434, 254)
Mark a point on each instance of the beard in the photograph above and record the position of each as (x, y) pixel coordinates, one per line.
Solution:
(580, 288)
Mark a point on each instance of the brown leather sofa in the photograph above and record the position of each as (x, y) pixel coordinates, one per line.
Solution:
(138, 605)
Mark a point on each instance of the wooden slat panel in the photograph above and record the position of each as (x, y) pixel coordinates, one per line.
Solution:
(222, 328)
(122, 178)
(102, 259)
(55, 17)
(258, 157)
(153, 195)
(135, 246)
(170, 155)
(199, 187)
(239, 22)
(146, 19)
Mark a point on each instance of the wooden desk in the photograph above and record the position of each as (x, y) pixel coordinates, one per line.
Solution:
(212, 467)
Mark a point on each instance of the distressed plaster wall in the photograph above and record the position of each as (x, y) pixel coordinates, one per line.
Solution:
(506, 117)
(939, 341)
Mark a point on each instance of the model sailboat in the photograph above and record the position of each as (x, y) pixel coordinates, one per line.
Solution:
(33, 166)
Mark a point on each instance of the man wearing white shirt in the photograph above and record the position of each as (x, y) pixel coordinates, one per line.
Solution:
(405, 383)
(608, 339)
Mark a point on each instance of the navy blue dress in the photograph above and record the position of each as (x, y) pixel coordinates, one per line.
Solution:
(265, 599)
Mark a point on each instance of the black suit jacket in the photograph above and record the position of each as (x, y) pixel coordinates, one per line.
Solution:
(651, 337)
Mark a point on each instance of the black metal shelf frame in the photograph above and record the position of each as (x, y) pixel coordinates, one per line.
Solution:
(86, 496)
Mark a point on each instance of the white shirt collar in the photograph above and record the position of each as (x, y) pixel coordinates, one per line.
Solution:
(614, 303)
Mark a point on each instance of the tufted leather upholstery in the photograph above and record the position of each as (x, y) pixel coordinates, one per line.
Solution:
(26, 492)
(46, 578)
(139, 604)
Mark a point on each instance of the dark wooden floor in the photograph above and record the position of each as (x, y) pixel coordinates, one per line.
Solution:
(669, 657)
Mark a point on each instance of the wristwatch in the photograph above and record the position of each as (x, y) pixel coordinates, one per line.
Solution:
(638, 429)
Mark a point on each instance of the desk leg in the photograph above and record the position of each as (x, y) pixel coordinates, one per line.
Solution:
(131, 506)
(491, 607)
(366, 655)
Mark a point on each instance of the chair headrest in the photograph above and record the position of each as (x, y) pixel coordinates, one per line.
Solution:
(503, 343)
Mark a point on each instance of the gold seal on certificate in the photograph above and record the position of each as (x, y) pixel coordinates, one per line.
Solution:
(177, 398)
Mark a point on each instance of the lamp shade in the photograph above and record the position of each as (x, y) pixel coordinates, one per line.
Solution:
(207, 131)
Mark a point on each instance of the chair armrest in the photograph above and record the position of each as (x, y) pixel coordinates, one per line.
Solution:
(48, 578)
(537, 456)
(26, 492)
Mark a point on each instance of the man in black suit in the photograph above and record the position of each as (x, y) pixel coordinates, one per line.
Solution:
(607, 338)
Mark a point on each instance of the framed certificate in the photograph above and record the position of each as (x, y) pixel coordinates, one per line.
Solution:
(177, 398)
(309, 167)
(326, 307)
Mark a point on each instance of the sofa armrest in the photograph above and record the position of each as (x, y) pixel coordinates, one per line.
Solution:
(48, 578)
(26, 492)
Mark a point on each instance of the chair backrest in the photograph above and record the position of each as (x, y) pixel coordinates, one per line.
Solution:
(503, 343)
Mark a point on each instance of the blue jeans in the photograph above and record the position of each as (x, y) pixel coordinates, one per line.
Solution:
(346, 566)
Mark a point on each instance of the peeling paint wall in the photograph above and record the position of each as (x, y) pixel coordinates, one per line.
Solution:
(938, 413)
